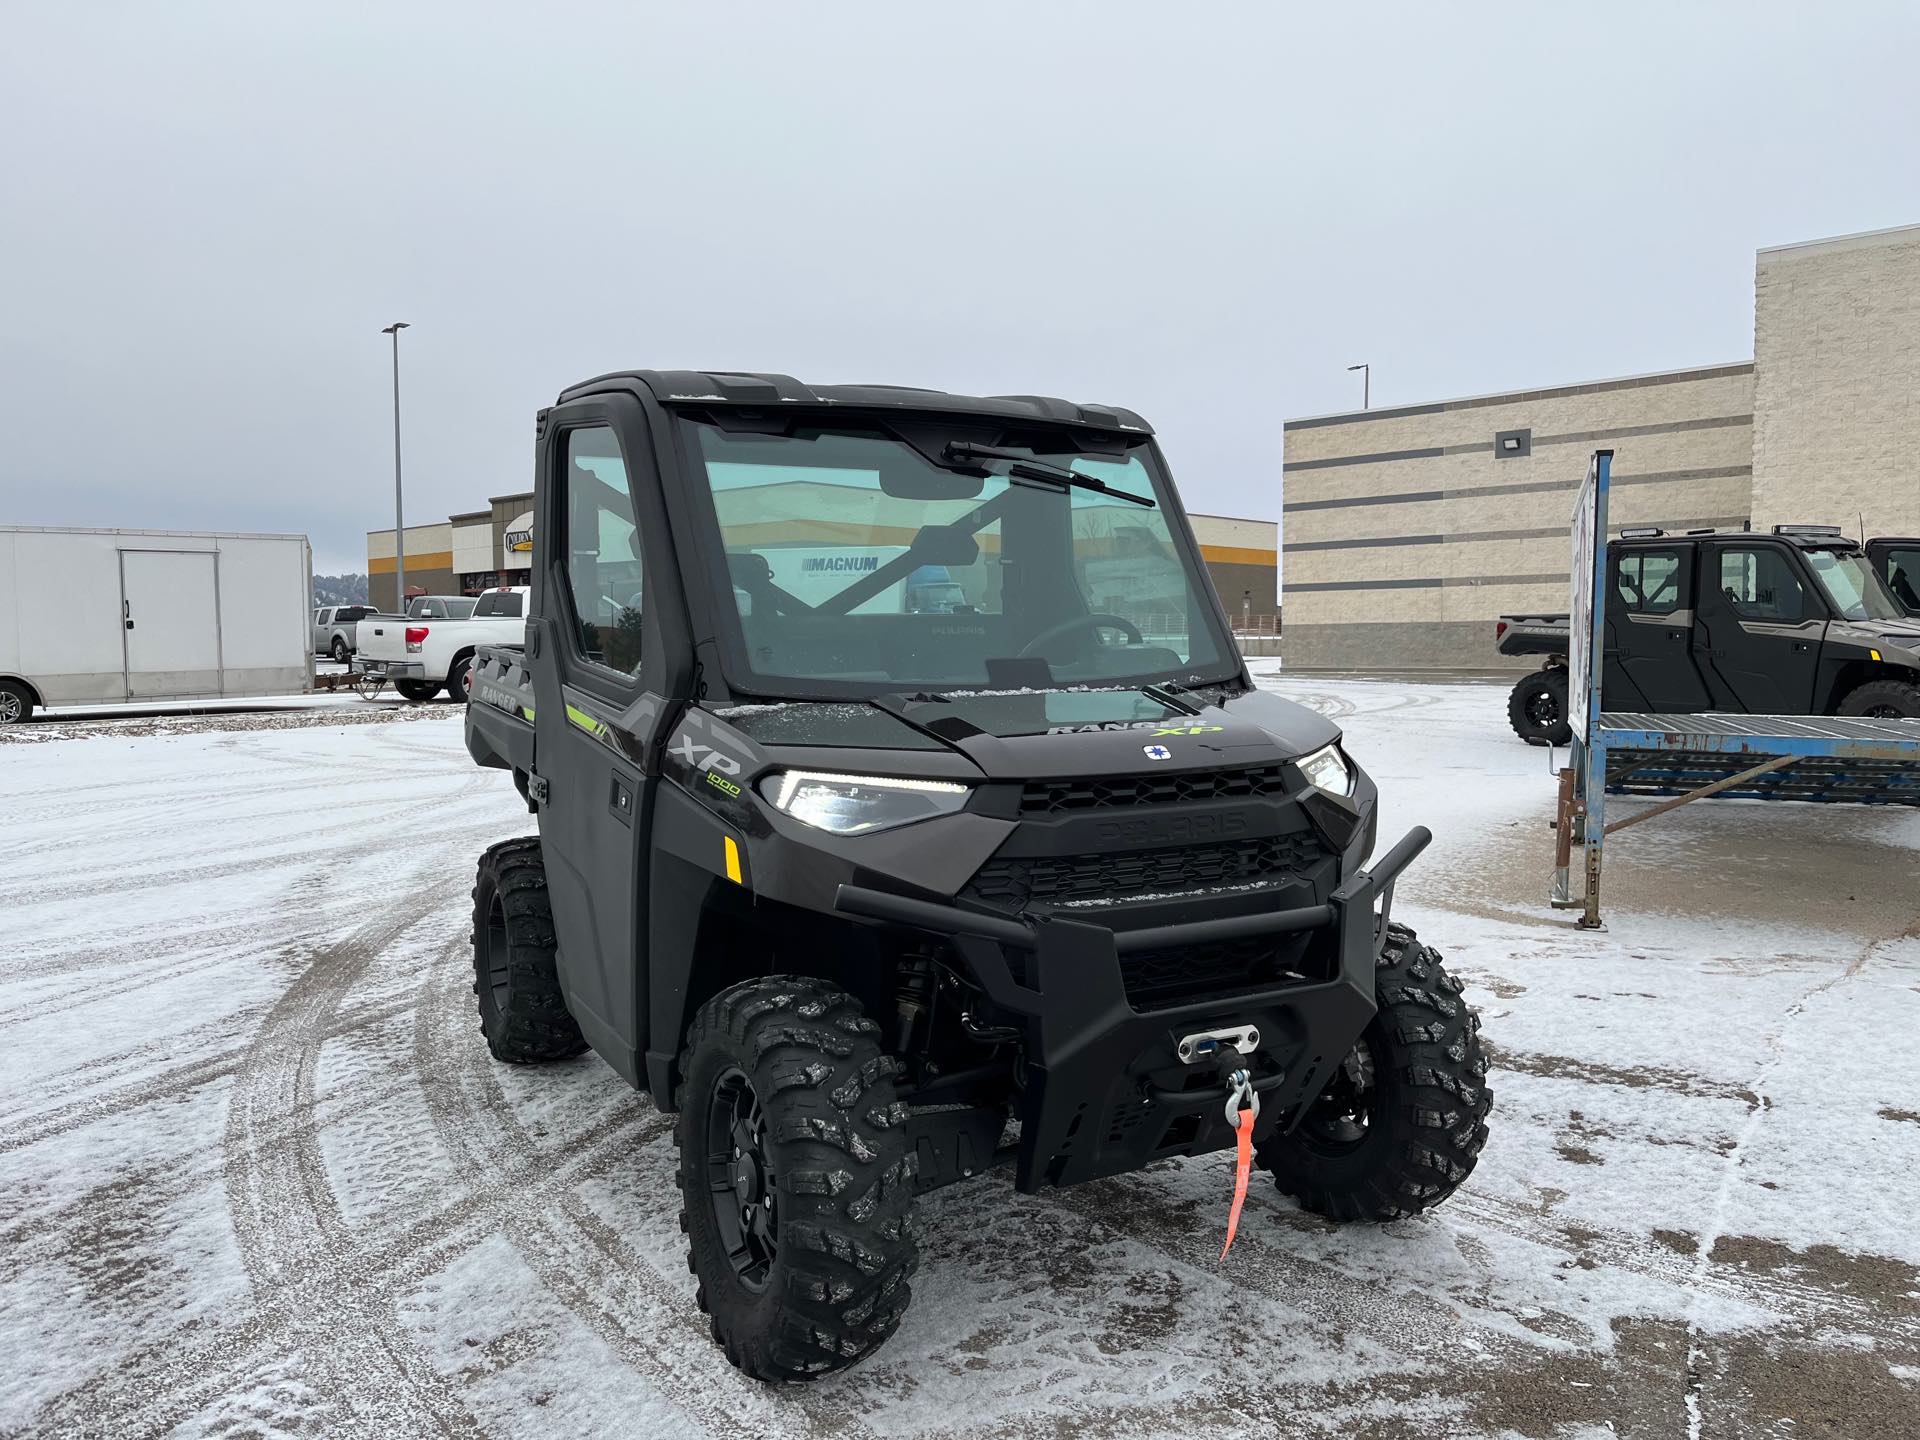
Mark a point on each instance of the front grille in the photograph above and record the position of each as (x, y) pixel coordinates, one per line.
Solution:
(1015, 883)
(1051, 797)
(1158, 979)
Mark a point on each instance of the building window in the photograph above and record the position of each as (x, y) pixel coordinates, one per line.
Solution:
(1511, 444)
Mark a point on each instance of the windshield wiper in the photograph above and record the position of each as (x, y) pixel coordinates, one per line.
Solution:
(1026, 467)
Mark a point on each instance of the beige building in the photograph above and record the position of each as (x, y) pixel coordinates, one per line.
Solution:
(1407, 530)
(467, 553)
(461, 555)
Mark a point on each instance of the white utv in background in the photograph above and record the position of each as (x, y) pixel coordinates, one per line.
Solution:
(422, 655)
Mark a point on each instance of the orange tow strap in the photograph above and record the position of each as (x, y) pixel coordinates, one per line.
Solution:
(1243, 1127)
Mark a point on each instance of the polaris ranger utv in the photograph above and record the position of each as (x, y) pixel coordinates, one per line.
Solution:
(1801, 621)
(876, 897)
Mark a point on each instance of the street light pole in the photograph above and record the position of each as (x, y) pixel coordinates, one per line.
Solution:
(1366, 384)
(399, 519)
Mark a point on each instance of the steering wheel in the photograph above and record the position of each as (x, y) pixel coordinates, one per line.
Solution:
(1095, 621)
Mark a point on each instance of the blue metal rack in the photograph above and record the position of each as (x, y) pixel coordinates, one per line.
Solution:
(1821, 759)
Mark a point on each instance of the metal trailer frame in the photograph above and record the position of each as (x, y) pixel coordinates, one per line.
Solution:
(1821, 759)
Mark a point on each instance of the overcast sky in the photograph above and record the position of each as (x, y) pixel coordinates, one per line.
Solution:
(1206, 213)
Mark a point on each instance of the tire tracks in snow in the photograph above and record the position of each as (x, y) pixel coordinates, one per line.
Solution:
(582, 1261)
(1715, 1227)
(285, 1214)
(320, 1289)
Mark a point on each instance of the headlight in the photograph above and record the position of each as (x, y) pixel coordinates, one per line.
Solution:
(855, 804)
(1328, 770)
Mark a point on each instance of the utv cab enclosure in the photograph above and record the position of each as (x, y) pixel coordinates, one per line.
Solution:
(1799, 621)
(878, 893)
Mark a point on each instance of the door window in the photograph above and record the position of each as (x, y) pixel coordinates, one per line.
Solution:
(1650, 582)
(1901, 570)
(603, 558)
(1760, 584)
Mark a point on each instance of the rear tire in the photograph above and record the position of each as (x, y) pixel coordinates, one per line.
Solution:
(16, 703)
(1400, 1125)
(801, 1233)
(342, 652)
(1537, 708)
(1883, 700)
(418, 691)
(459, 679)
(523, 1011)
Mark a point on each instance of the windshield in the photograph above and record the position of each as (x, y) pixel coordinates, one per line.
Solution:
(856, 565)
(1856, 592)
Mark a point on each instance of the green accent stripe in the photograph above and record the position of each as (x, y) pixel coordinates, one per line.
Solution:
(586, 722)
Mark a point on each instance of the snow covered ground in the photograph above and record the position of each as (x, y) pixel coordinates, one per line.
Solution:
(259, 1177)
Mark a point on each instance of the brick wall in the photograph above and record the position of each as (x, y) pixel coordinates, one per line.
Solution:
(1837, 400)
(1406, 531)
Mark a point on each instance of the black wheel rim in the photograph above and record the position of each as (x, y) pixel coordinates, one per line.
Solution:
(1543, 708)
(1344, 1115)
(740, 1179)
(497, 955)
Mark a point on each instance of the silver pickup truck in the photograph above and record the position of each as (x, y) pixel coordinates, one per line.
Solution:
(333, 629)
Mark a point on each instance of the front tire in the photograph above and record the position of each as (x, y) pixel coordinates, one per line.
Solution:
(1400, 1125)
(523, 1010)
(418, 691)
(1883, 700)
(1537, 708)
(796, 1178)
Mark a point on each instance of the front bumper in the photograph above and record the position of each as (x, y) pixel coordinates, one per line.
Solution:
(1105, 1090)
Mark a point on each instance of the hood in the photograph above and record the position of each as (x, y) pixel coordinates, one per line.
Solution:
(1046, 734)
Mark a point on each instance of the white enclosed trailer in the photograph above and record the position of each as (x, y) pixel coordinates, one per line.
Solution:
(99, 616)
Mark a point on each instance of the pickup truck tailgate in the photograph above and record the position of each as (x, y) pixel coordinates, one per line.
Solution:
(382, 637)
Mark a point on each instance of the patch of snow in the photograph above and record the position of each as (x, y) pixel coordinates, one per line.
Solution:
(258, 1174)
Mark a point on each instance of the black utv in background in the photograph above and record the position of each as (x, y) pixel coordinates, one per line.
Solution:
(878, 897)
(1800, 621)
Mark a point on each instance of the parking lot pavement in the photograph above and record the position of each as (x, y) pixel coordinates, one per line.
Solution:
(258, 1175)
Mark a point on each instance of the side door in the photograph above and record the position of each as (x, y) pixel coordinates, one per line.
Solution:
(170, 616)
(1899, 565)
(1759, 628)
(1650, 628)
(322, 627)
(597, 726)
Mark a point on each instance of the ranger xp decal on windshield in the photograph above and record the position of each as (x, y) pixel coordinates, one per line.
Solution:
(1159, 727)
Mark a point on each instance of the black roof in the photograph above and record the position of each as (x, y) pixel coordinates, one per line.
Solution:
(722, 387)
(1816, 541)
